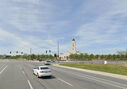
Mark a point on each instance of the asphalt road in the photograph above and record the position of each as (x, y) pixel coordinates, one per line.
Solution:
(19, 75)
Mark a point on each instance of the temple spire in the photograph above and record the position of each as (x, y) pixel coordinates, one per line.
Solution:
(73, 46)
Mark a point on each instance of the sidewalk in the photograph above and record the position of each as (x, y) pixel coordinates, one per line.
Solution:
(95, 72)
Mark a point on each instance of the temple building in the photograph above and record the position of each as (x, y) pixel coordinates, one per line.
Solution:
(64, 56)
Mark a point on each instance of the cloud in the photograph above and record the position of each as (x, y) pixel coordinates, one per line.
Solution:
(13, 39)
(29, 26)
(26, 15)
(12, 42)
(15, 43)
(28, 1)
(105, 28)
(105, 50)
(40, 24)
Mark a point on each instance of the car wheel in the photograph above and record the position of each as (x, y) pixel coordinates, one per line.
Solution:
(33, 72)
(38, 76)
(50, 76)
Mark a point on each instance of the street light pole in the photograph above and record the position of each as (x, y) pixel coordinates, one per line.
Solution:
(58, 49)
(30, 53)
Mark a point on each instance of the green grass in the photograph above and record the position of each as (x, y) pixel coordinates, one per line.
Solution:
(110, 68)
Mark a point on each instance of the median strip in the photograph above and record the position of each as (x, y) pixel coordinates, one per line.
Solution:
(110, 68)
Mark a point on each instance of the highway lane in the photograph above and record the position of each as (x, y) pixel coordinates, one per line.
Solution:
(44, 83)
(83, 80)
(11, 77)
(19, 75)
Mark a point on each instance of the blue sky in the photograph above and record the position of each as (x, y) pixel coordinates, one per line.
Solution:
(99, 26)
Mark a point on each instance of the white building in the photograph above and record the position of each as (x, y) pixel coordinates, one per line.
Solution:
(64, 56)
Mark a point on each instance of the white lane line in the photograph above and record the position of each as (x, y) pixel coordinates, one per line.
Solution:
(20, 68)
(65, 81)
(2, 66)
(23, 72)
(30, 84)
(105, 82)
(27, 80)
(3, 69)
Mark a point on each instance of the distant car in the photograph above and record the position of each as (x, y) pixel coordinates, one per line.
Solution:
(40, 60)
(42, 71)
(52, 60)
(47, 62)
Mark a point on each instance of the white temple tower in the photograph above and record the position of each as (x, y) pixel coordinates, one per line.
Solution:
(73, 50)
(64, 56)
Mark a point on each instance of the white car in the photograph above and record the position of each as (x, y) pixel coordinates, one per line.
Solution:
(47, 62)
(42, 71)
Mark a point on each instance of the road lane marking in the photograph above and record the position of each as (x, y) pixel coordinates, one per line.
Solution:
(3, 69)
(27, 80)
(65, 81)
(23, 72)
(20, 68)
(105, 81)
(94, 78)
(2, 66)
(30, 84)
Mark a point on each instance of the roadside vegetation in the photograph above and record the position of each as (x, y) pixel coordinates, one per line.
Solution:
(120, 55)
(32, 57)
(77, 57)
(111, 68)
(83, 57)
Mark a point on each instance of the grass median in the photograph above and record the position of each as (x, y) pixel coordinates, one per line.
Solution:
(110, 68)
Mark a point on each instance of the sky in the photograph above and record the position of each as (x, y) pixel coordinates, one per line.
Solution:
(98, 26)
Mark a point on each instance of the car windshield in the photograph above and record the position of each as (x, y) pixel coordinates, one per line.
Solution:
(42, 68)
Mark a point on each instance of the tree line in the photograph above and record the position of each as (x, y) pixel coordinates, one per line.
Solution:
(120, 55)
(32, 57)
(98, 57)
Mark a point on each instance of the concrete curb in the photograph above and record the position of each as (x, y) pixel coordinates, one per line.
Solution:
(95, 72)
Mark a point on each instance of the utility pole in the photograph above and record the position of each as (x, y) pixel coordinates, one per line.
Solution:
(58, 49)
(30, 53)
